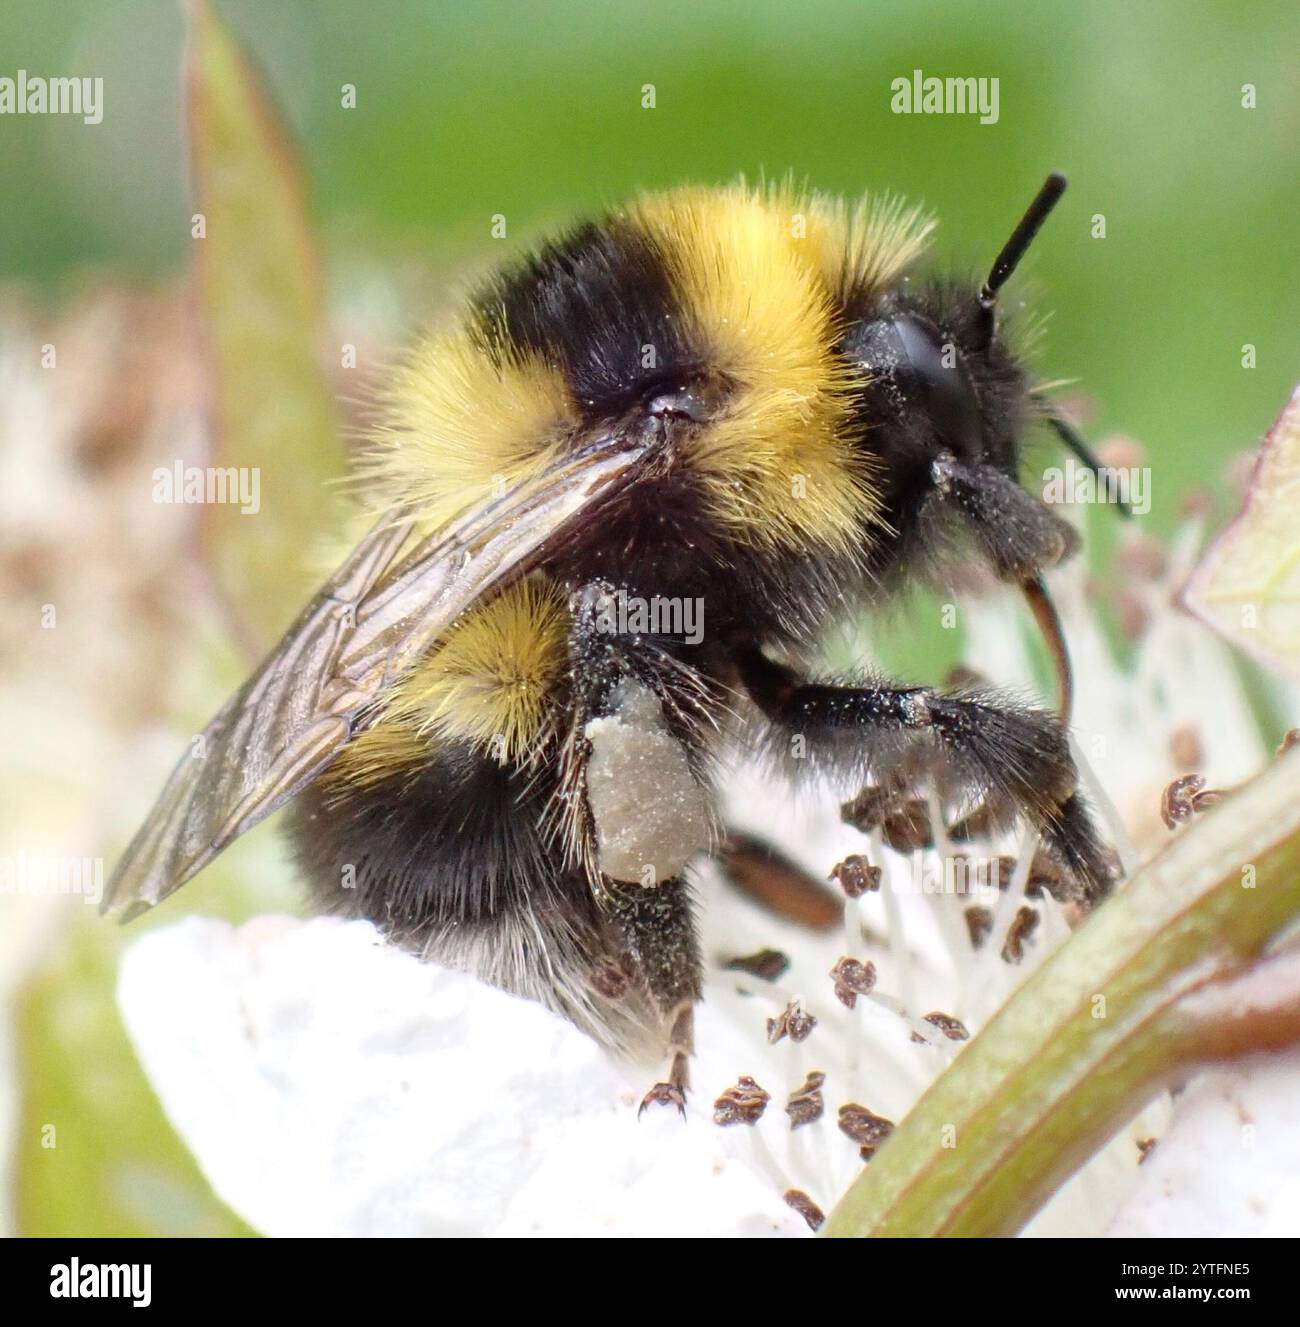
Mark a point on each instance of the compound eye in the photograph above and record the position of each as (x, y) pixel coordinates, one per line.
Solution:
(943, 385)
(924, 373)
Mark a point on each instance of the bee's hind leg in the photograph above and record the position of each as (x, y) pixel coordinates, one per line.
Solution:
(671, 1091)
(658, 936)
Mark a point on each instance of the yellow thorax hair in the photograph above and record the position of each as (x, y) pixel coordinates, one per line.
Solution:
(757, 275)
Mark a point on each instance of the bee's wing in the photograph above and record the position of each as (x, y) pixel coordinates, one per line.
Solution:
(388, 602)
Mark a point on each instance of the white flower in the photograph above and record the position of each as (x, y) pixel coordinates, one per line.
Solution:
(332, 1085)
(329, 1084)
(1230, 1161)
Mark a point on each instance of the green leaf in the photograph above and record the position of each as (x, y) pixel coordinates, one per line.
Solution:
(259, 294)
(1247, 585)
(1094, 1032)
(94, 1154)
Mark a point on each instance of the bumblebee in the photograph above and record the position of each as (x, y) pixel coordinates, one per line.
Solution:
(740, 400)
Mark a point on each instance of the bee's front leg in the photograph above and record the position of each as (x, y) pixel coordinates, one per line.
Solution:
(981, 746)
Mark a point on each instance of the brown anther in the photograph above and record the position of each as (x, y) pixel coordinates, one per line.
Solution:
(1145, 1147)
(852, 978)
(742, 1104)
(908, 827)
(976, 876)
(1185, 747)
(766, 965)
(1184, 797)
(1045, 873)
(1290, 738)
(806, 1104)
(952, 1028)
(1022, 927)
(856, 876)
(865, 1128)
(793, 1021)
(868, 809)
(979, 922)
(806, 1208)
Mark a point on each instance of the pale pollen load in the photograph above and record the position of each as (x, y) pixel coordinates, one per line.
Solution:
(651, 815)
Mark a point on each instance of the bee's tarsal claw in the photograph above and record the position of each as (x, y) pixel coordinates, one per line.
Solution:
(664, 1094)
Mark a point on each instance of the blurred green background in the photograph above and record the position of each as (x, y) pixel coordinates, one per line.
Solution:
(534, 111)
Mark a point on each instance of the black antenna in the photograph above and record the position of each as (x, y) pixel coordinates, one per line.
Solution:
(1014, 249)
(1078, 444)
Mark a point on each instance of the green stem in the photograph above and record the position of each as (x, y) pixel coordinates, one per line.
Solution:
(1084, 1043)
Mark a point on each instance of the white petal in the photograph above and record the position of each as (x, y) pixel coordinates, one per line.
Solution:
(331, 1085)
(1230, 1161)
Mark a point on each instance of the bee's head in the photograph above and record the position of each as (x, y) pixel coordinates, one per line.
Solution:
(944, 407)
(941, 373)
(937, 383)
